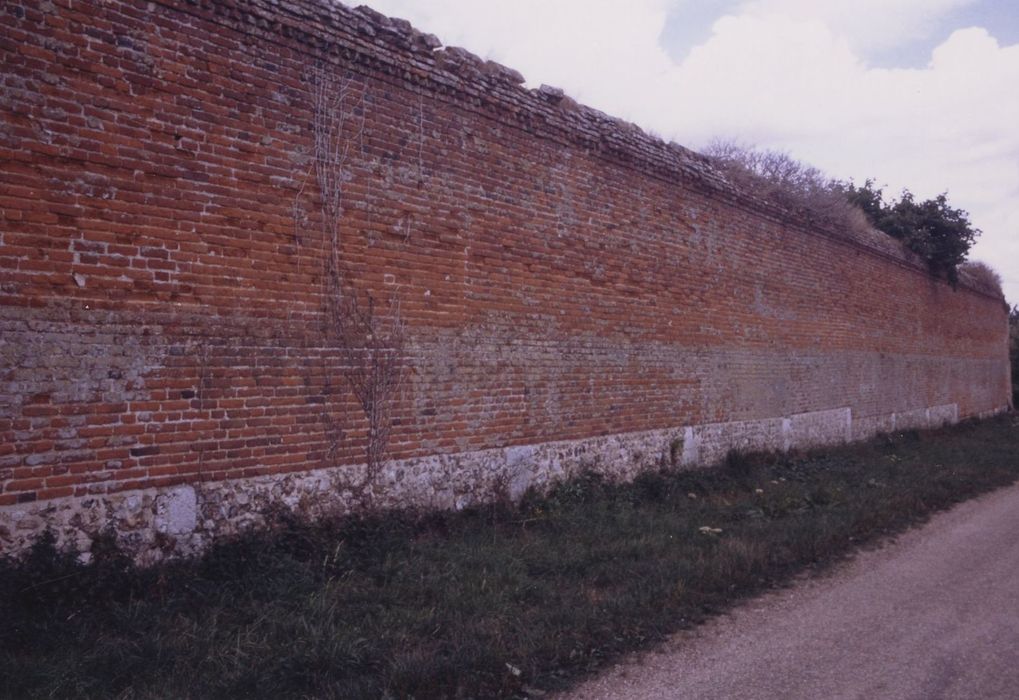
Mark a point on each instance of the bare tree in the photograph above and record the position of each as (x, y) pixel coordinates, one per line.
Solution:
(369, 335)
(372, 343)
(779, 178)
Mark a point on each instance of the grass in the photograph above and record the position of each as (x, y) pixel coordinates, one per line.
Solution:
(499, 601)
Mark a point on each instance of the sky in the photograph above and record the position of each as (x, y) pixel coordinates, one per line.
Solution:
(917, 94)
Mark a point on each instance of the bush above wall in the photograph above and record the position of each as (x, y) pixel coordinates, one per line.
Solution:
(940, 234)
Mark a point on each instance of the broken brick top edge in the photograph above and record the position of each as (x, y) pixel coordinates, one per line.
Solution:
(367, 37)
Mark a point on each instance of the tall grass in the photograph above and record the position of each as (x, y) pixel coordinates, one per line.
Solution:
(498, 601)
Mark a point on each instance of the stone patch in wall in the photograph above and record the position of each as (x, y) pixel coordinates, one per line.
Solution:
(806, 430)
(938, 416)
(176, 511)
(866, 427)
(914, 419)
(712, 442)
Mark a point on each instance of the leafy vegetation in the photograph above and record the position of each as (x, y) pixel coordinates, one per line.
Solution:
(940, 234)
(498, 601)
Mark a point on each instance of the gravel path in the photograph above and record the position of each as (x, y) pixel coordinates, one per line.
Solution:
(934, 614)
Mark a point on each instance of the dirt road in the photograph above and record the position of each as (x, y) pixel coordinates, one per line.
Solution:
(932, 615)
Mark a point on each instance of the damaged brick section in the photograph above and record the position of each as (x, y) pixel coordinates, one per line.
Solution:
(577, 294)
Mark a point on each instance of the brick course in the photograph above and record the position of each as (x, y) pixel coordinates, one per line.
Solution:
(564, 277)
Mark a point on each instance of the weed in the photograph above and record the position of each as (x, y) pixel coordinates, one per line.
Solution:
(676, 451)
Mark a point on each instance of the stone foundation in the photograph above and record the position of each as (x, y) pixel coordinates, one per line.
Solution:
(171, 363)
(153, 524)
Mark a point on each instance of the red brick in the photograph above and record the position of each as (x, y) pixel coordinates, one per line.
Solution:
(560, 277)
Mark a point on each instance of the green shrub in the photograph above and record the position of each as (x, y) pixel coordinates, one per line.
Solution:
(939, 233)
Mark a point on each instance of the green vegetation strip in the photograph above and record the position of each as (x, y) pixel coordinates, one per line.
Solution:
(500, 601)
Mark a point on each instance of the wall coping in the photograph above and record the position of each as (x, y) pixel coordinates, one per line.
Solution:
(374, 42)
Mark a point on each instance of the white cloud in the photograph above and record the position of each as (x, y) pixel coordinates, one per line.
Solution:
(786, 74)
(866, 24)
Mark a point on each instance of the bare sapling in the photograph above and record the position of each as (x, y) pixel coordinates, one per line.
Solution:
(368, 335)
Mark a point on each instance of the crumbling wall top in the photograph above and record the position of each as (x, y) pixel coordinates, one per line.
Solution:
(369, 38)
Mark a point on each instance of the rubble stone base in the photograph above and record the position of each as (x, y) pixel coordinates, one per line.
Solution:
(153, 524)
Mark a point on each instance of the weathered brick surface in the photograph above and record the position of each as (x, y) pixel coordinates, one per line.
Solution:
(564, 276)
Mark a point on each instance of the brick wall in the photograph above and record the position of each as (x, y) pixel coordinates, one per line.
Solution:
(576, 293)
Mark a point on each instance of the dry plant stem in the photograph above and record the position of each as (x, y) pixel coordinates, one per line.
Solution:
(203, 385)
(372, 344)
(369, 336)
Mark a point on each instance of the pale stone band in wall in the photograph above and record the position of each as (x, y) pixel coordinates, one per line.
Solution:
(155, 523)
